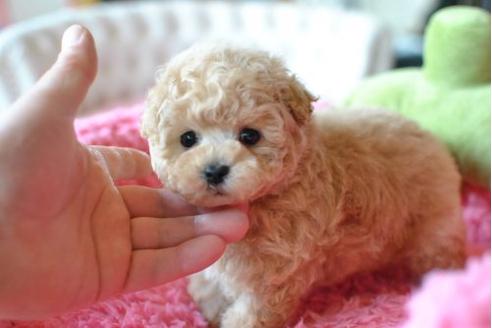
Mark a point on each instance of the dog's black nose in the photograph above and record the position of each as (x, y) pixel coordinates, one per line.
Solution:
(215, 174)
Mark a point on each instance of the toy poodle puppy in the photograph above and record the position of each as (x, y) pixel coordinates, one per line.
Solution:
(331, 193)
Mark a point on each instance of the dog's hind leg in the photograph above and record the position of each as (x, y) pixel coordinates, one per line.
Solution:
(438, 241)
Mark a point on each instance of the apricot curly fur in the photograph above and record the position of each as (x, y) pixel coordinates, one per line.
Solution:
(331, 193)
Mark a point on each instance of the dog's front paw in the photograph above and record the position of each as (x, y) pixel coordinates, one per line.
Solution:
(209, 298)
(251, 311)
(239, 314)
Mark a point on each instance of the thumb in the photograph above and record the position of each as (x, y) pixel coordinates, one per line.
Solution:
(64, 86)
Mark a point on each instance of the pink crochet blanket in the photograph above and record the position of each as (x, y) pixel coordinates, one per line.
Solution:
(446, 299)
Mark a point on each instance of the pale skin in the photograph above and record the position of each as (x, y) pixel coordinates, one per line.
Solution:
(68, 235)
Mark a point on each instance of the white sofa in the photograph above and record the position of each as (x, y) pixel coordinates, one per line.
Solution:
(329, 49)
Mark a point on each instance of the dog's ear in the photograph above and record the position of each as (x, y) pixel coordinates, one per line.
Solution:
(297, 99)
(151, 115)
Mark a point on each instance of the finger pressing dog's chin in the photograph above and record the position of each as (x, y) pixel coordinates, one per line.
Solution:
(243, 207)
(210, 199)
(215, 201)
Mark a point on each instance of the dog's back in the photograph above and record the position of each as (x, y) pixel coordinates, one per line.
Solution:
(399, 185)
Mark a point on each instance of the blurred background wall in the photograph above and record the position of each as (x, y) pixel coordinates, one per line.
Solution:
(331, 44)
(405, 19)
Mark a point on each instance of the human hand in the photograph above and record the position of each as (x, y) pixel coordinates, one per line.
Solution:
(68, 236)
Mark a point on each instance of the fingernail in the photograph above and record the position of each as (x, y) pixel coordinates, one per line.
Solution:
(72, 36)
(230, 224)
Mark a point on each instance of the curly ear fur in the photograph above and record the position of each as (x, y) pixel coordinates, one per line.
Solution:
(297, 99)
(150, 119)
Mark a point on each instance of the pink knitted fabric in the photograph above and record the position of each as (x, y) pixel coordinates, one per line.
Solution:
(453, 299)
(446, 299)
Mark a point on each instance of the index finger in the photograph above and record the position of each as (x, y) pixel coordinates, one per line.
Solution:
(151, 202)
(123, 163)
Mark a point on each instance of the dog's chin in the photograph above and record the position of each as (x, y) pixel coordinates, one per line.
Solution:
(213, 199)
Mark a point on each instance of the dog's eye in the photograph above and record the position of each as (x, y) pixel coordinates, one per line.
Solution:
(249, 136)
(188, 139)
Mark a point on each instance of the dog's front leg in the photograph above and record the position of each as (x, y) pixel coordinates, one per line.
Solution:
(208, 296)
(242, 313)
(261, 311)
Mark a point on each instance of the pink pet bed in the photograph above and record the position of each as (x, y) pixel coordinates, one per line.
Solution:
(457, 299)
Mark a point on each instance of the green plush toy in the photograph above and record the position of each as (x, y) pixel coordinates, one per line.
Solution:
(450, 95)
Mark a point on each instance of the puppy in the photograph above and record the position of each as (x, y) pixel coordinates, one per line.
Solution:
(331, 193)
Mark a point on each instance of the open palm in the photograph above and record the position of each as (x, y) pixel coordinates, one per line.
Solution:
(68, 235)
